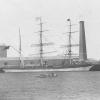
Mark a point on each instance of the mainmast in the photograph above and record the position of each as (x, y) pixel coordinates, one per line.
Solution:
(41, 43)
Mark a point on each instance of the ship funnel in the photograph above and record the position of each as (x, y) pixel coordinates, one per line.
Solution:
(82, 43)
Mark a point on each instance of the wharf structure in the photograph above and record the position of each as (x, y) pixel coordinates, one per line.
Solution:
(3, 50)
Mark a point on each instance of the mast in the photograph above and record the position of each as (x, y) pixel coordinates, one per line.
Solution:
(41, 44)
(41, 40)
(69, 44)
(20, 49)
(21, 63)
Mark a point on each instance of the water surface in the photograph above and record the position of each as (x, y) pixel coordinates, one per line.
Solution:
(66, 86)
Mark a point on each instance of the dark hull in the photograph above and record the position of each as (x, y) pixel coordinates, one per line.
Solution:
(95, 67)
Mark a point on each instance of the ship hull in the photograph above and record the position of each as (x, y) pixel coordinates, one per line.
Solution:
(49, 70)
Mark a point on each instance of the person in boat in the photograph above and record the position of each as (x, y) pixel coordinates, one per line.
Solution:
(52, 75)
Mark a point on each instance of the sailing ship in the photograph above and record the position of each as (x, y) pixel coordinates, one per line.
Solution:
(71, 65)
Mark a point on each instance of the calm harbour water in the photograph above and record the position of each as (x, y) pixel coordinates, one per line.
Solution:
(66, 86)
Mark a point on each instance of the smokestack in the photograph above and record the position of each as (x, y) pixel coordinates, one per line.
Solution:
(82, 43)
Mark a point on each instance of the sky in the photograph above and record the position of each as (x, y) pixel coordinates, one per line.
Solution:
(54, 14)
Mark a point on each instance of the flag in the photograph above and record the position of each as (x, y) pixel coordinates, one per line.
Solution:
(68, 19)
